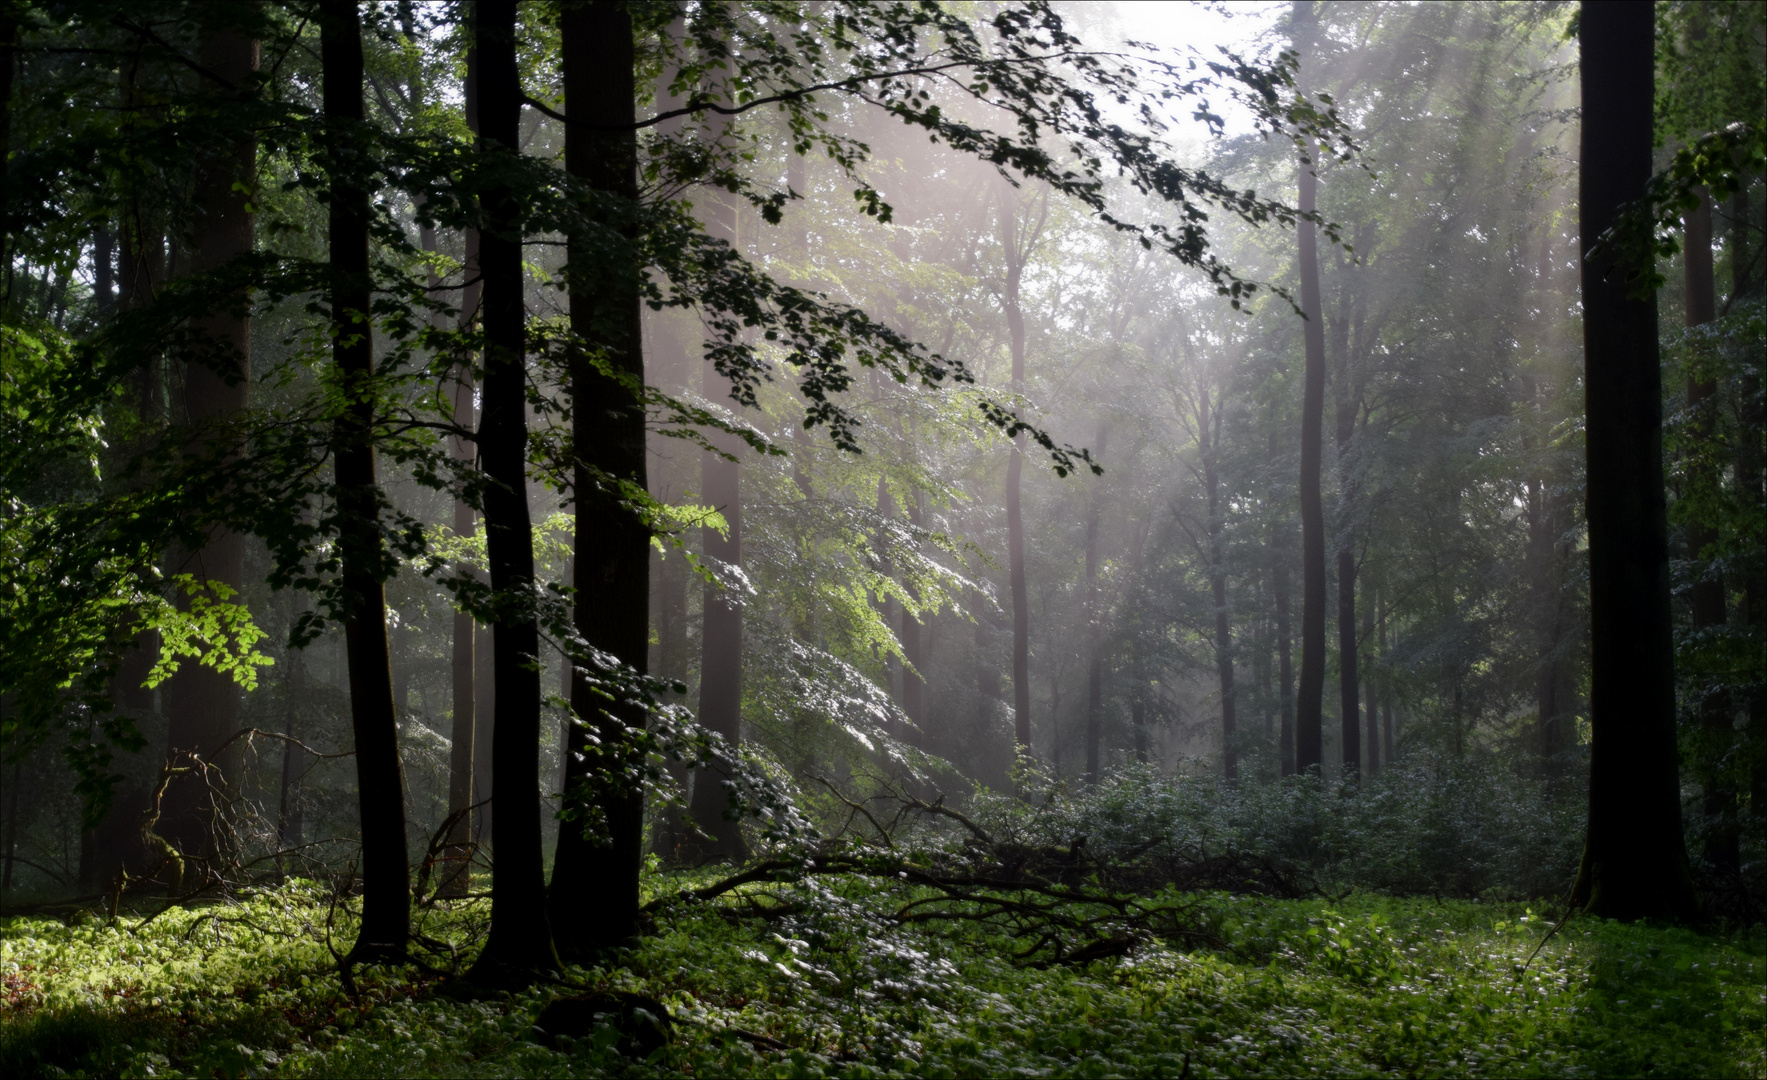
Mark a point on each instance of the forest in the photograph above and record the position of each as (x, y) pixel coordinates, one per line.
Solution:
(883, 538)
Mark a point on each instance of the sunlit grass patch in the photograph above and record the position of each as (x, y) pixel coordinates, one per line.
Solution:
(829, 985)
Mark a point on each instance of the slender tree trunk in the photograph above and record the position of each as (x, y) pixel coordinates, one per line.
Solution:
(1208, 429)
(1094, 619)
(1634, 863)
(1284, 654)
(104, 254)
(456, 872)
(1372, 713)
(484, 698)
(720, 673)
(1706, 598)
(1751, 474)
(1349, 679)
(1310, 700)
(386, 889)
(288, 808)
(202, 704)
(595, 887)
(463, 658)
(9, 28)
(914, 651)
(520, 943)
(1015, 249)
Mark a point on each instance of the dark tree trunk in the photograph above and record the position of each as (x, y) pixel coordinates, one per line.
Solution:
(386, 890)
(456, 871)
(520, 943)
(1751, 474)
(1310, 700)
(1634, 862)
(104, 254)
(289, 825)
(595, 887)
(8, 69)
(1706, 598)
(484, 698)
(202, 704)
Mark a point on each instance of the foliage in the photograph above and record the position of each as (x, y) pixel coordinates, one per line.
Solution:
(1357, 986)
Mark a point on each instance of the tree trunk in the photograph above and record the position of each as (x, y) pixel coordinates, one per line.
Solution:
(1706, 598)
(720, 673)
(1751, 474)
(1372, 711)
(1634, 862)
(1284, 652)
(1310, 701)
(1015, 249)
(914, 639)
(595, 887)
(289, 825)
(202, 704)
(1094, 621)
(520, 943)
(104, 253)
(456, 869)
(1349, 679)
(1208, 428)
(386, 890)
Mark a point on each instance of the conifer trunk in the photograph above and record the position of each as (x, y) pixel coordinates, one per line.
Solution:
(1634, 862)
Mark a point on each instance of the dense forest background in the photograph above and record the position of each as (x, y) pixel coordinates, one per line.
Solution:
(456, 443)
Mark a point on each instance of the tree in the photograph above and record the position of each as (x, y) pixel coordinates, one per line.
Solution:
(1634, 862)
(1310, 696)
(386, 889)
(594, 898)
(202, 703)
(520, 942)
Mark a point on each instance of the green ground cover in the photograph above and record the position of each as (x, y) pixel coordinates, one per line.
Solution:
(827, 985)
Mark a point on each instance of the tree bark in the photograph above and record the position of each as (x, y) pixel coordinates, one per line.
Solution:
(1015, 248)
(1310, 700)
(380, 782)
(520, 946)
(595, 887)
(1371, 710)
(1706, 598)
(463, 660)
(1094, 621)
(720, 673)
(202, 704)
(1349, 681)
(1208, 428)
(1634, 862)
(914, 652)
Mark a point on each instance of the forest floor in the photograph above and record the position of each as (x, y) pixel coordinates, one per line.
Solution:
(826, 984)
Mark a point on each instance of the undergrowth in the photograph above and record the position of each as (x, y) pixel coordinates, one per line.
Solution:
(827, 984)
